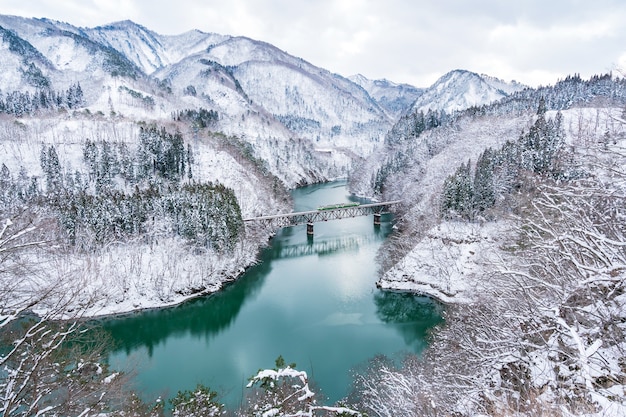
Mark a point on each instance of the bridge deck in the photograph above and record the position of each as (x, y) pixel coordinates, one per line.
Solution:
(309, 217)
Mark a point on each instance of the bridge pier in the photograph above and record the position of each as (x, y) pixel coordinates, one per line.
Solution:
(325, 213)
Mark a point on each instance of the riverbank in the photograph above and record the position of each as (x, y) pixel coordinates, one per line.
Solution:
(450, 261)
(132, 276)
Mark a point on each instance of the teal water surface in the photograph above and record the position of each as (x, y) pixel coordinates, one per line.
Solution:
(311, 300)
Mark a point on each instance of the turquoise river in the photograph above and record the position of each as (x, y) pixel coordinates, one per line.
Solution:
(311, 300)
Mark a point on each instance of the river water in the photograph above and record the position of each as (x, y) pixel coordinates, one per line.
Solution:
(311, 300)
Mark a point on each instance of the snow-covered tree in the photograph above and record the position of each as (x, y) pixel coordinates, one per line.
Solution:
(52, 169)
(48, 367)
(484, 190)
(284, 391)
(458, 193)
(545, 331)
(200, 402)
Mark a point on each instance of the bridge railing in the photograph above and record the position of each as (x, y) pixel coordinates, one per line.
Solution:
(312, 216)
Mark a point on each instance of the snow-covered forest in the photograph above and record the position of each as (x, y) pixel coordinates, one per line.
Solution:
(516, 223)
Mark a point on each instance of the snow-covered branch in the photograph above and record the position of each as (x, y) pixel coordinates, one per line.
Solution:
(285, 392)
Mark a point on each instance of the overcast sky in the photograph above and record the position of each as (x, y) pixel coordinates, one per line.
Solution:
(535, 42)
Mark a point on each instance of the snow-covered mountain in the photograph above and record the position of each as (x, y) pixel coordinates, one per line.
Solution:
(460, 89)
(305, 122)
(261, 93)
(149, 50)
(394, 98)
(311, 102)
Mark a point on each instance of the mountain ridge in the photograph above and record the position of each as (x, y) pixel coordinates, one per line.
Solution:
(461, 89)
(262, 94)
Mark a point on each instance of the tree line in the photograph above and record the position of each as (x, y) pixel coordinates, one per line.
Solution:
(127, 192)
(468, 192)
(18, 103)
(200, 119)
(404, 144)
(410, 127)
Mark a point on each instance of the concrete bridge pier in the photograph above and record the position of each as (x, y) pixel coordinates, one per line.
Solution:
(309, 228)
(376, 219)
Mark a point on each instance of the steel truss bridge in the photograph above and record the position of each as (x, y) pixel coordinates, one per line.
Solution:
(324, 214)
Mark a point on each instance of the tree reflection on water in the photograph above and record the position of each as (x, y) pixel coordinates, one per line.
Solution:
(411, 314)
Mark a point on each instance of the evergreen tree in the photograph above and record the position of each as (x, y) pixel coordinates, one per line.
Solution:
(90, 156)
(201, 402)
(541, 109)
(189, 161)
(109, 165)
(484, 192)
(74, 96)
(52, 170)
(458, 193)
(7, 188)
(542, 143)
(43, 158)
(126, 163)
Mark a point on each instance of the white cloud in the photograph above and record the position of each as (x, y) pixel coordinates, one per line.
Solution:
(532, 41)
(621, 64)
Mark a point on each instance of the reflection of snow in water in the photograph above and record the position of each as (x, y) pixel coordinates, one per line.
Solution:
(342, 319)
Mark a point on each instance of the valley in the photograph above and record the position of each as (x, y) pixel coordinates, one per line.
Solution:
(130, 160)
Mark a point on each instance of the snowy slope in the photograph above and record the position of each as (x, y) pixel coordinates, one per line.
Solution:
(149, 50)
(483, 264)
(11, 64)
(306, 123)
(298, 93)
(501, 85)
(314, 103)
(23, 66)
(460, 89)
(131, 275)
(68, 49)
(262, 94)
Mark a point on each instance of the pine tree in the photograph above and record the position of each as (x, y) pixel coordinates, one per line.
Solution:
(189, 161)
(90, 156)
(484, 192)
(458, 193)
(541, 109)
(542, 143)
(52, 170)
(126, 164)
(7, 188)
(43, 158)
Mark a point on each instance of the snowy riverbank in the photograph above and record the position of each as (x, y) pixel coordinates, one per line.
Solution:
(448, 263)
(123, 278)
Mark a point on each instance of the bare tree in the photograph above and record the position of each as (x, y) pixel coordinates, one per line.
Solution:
(51, 367)
(546, 336)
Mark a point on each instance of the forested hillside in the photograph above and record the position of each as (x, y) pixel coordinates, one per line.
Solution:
(513, 216)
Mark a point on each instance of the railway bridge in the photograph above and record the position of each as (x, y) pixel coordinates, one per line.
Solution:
(325, 213)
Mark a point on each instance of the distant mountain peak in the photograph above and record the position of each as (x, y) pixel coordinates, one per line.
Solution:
(393, 97)
(460, 89)
(122, 24)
